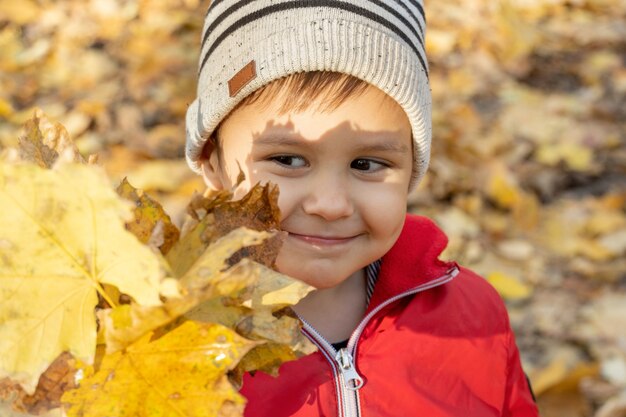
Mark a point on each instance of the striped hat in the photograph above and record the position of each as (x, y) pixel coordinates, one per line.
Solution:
(247, 44)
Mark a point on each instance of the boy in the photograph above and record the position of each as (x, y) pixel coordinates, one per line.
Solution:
(329, 100)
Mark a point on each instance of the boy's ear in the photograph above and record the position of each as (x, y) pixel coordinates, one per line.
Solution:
(210, 167)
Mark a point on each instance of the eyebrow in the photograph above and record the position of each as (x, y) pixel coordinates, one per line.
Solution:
(381, 146)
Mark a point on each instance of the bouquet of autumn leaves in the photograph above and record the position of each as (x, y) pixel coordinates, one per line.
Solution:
(107, 309)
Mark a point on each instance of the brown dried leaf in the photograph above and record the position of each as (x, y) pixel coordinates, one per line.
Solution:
(58, 378)
(44, 142)
(151, 224)
(216, 217)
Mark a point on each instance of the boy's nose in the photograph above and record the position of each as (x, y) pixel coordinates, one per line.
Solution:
(329, 199)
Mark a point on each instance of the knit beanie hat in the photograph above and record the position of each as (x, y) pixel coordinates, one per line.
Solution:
(247, 44)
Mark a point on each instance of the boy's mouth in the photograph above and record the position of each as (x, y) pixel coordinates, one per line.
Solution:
(322, 240)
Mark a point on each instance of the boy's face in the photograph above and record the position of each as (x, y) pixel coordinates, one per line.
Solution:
(343, 178)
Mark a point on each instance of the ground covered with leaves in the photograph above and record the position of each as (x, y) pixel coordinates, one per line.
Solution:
(528, 174)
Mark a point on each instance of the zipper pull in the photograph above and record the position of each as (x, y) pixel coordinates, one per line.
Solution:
(352, 379)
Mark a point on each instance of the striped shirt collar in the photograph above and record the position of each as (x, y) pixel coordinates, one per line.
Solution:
(371, 275)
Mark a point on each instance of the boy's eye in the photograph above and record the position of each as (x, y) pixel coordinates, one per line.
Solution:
(290, 161)
(366, 165)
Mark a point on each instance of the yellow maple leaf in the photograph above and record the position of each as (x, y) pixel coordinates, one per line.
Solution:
(69, 218)
(61, 237)
(260, 312)
(249, 298)
(244, 297)
(124, 324)
(183, 373)
(258, 309)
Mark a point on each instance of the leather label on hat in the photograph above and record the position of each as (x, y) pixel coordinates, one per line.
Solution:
(242, 78)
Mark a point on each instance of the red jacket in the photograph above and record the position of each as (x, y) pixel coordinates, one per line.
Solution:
(435, 341)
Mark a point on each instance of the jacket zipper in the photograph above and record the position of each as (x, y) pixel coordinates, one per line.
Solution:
(347, 379)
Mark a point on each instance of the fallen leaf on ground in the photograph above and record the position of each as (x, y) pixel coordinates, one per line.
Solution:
(509, 287)
(44, 142)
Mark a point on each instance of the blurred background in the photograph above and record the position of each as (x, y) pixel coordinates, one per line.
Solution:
(528, 172)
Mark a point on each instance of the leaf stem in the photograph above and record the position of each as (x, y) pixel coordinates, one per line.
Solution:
(104, 295)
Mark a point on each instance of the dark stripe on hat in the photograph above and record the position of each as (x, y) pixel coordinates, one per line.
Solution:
(212, 6)
(238, 5)
(298, 4)
(215, 3)
(414, 3)
(219, 19)
(412, 14)
(232, 9)
(416, 31)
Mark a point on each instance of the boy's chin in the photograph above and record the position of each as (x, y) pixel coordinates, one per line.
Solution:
(321, 285)
(319, 279)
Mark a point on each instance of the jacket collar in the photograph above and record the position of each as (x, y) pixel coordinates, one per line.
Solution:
(412, 261)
